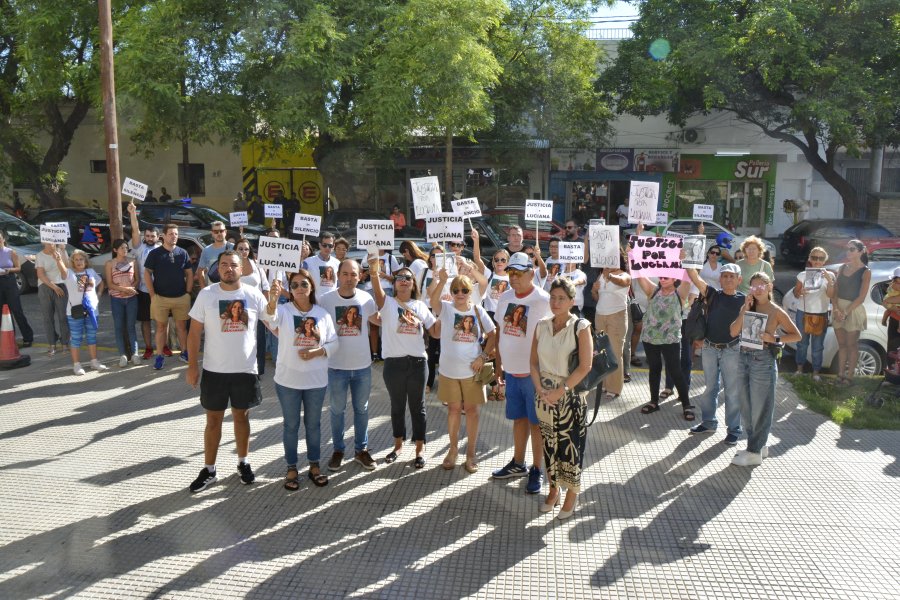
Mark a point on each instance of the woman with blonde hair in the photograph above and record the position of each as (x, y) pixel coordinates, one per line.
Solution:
(753, 263)
(813, 289)
(83, 285)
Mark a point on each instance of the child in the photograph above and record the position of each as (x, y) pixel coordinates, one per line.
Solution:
(892, 309)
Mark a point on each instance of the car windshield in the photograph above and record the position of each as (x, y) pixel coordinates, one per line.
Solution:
(208, 215)
(18, 233)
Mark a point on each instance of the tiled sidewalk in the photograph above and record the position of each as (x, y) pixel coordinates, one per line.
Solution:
(94, 473)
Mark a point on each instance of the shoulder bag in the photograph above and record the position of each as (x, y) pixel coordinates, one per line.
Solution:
(603, 364)
(486, 375)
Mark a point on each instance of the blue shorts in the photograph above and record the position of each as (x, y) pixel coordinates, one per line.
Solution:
(520, 399)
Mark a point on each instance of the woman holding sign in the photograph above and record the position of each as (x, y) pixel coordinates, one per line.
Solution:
(758, 369)
(611, 293)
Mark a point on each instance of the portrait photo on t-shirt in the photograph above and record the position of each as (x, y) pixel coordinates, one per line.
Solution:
(464, 330)
(515, 320)
(407, 321)
(306, 332)
(348, 320)
(552, 270)
(498, 286)
(233, 314)
(326, 276)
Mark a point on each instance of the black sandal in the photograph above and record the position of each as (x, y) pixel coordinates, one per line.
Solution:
(648, 408)
(419, 462)
(688, 413)
(391, 457)
(666, 393)
(318, 479)
(292, 484)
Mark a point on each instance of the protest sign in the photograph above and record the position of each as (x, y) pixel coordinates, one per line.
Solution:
(238, 218)
(643, 201)
(662, 218)
(279, 253)
(64, 225)
(446, 261)
(307, 224)
(704, 212)
(538, 210)
(54, 235)
(694, 251)
(375, 233)
(656, 257)
(597, 222)
(468, 207)
(751, 332)
(426, 193)
(273, 211)
(134, 189)
(444, 227)
(604, 244)
(571, 252)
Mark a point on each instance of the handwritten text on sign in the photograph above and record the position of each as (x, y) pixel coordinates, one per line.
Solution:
(134, 189)
(643, 200)
(656, 257)
(538, 210)
(571, 252)
(375, 233)
(468, 207)
(426, 193)
(704, 212)
(604, 240)
(307, 224)
(273, 211)
(53, 235)
(279, 253)
(61, 225)
(444, 227)
(238, 218)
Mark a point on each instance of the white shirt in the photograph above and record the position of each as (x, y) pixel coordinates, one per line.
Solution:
(352, 330)
(417, 266)
(325, 279)
(298, 331)
(517, 318)
(230, 345)
(77, 292)
(404, 336)
(497, 284)
(711, 276)
(611, 298)
(573, 275)
(460, 336)
(256, 278)
(815, 293)
(389, 264)
(554, 268)
(51, 269)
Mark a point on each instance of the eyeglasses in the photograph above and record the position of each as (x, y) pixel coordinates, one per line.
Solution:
(299, 284)
(456, 244)
(460, 291)
(500, 260)
(218, 231)
(811, 257)
(714, 253)
(327, 245)
(759, 287)
(531, 254)
(403, 278)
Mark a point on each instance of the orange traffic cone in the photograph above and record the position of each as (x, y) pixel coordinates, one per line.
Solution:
(9, 350)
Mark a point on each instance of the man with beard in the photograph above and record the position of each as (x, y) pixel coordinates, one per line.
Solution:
(141, 250)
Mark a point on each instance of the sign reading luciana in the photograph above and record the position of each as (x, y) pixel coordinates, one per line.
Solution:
(375, 233)
(134, 189)
(444, 227)
(279, 253)
(307, 224)
(643, 200)
(54, 235)
(426, 193)
(656, 257)
(538, 210)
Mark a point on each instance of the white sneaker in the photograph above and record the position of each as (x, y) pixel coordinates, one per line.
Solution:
(764, 452)
(98, 366)
(136, 359)
(123, 361)
(747, 459)
(76, 368)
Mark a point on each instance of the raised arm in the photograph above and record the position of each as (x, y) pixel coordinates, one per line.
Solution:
(434, 291)
(695, 278)
(135, 226)
(374, 273)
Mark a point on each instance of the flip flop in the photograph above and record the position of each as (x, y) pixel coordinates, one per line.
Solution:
(419, 462)
(649, 408)
(391, 457)
(688, 414)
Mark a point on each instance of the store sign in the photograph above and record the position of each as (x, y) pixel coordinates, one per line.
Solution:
(751, 169)
(655, 160)
(615, 159)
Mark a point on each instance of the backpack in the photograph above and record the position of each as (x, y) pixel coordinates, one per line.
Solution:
(695, 321)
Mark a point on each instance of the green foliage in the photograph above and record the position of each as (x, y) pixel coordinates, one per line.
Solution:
(847, 406)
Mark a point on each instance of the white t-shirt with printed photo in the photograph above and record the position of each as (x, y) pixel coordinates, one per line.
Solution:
(229, 324)
(403, 328)
(516, 319)
(389, 265)
(460, 339)
(302, 331)
(351, 320)
(497, 284)
(323, 272)
(555, 268)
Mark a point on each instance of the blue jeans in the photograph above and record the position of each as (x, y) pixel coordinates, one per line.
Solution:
(124, 313)
(816, 341)
(757, 374)
(359, 384)
(721, 365)
(311, 400)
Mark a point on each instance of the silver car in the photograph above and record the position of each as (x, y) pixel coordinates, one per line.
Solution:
(25, 240)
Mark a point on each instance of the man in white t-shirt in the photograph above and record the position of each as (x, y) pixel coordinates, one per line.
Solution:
(322, 266)
(226, 314)
(350, 369)
(518, 311)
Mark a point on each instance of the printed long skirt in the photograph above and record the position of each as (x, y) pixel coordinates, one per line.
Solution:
(564, 432)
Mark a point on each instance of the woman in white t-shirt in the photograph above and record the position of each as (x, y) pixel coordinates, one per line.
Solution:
(463, 326)
(813, 291)
(84, 286)
(498, 281)
(52, 295)
(253, 275)
(710, 272)
(306, 337)
(611, 293)
(404, 321)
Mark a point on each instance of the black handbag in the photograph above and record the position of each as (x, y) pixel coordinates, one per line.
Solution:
(603, 364)
(695, 321)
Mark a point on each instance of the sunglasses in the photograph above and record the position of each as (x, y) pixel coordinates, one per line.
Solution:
(460, 291)
(403, 278)
(816, 258)
(500, 260)
(299, 284)
(531, 254)
(456, 244)
(716, 253)
(327, 245)
(759, 287)
(218, 231)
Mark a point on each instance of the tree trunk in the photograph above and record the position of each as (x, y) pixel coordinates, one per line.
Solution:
(347, 179)
(448, 168)
(185, 187)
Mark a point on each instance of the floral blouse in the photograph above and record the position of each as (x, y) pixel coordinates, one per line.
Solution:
(662, 321)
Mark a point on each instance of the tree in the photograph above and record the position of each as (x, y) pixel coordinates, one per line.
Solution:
(818, 74)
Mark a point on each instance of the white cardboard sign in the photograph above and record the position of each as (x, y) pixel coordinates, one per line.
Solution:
(704, 212)
(307, 224)
(238, 218)
(643, 200)
(694, 247)
(54, 235)
(662, 218)
(468, 207)
(61, 225)
(134, 189)
(571, 252)
(446, 260)
(375, 233)
(426, 193)
(444, 227)
(279, 254)
(273, 211)
(538, 210)
(604, 244)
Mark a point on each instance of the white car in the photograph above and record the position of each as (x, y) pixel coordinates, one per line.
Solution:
(712, 231)
(873, 340)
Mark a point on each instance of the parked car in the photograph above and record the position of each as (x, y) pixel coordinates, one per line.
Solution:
(88, 227)
(507, 216)
(873, 340)
(188, 238)
(25, 240)
(197, 216)
(712, 230)
(884, 250)
(830, 234)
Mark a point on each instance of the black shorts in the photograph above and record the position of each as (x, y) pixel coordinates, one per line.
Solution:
(217, 389)
(143, 306)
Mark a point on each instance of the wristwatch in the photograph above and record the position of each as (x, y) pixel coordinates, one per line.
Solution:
(566, 387)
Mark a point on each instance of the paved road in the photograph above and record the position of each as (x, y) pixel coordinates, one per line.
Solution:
(94, 473)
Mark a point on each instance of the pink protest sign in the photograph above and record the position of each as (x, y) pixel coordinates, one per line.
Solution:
(656, 257)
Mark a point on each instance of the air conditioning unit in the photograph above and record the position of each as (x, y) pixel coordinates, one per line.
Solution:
(691, 136)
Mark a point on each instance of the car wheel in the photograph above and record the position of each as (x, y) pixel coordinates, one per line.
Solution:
(870, 361)
(22, 283)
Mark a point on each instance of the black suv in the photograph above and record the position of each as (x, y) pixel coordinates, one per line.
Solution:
(197, 216)
(88, 227)
(830, 234)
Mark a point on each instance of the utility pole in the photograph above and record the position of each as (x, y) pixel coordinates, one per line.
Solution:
(108, 89)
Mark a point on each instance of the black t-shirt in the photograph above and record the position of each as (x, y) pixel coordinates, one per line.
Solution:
(168, 270)
(722, 313)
